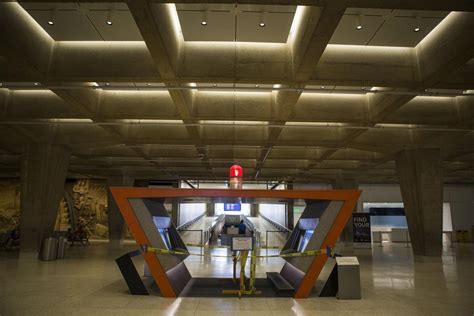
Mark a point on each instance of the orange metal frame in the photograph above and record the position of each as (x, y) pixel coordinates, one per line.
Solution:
(122, 195)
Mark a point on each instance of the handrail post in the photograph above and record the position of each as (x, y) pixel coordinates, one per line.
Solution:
(266, 243)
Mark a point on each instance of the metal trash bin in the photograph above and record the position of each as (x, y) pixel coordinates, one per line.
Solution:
(49, 249)
(62, 244)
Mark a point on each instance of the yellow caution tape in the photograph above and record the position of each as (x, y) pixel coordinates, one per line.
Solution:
(207, 246)
(328, 251)
(219, 246)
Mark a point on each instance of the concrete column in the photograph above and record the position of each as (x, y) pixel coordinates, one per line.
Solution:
(290, 210)
(210, 209)
(419, 171)
(339, 183)
(253, 210)
(116, 221)
(43, 173)
(175, 207)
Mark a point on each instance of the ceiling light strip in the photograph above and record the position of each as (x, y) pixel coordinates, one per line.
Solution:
(254, 88)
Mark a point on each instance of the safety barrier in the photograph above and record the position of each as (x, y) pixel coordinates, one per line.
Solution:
(329, 251)
(267, 246)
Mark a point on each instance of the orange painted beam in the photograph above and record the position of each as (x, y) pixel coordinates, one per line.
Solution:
(122, 194)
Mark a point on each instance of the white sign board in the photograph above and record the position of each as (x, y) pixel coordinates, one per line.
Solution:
(242, 243)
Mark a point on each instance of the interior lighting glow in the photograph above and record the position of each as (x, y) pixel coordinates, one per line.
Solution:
(50, 23)
(296, 25)
(276, 86)
(70, 120)
(150, 121)
(262, 19)
(320, 124)
(109, 23)
(222, 122)
(358, 23)
(204, 18)
(416, 29)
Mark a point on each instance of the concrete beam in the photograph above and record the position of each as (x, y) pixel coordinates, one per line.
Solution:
(155, 24)
(310, 41)
(156, 28)
(30, 53)
(434, 5)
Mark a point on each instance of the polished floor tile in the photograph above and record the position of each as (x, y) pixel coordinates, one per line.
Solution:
(87, 282)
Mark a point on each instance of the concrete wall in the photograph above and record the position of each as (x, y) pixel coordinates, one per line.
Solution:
(189, 211)
(275, 212)
(460, 198)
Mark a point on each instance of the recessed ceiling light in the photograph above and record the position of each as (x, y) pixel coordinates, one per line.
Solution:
(323, 87)
(148, 84)
(359, 27)
(261, 24)
(36, 83)
(203, 23)
(256, 86)
(107, 84)
(50, 22)
(109, 23)
(416, 29)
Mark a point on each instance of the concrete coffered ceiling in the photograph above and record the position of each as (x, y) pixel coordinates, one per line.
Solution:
(308, 97)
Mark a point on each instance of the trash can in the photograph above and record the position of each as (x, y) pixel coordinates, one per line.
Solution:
(62, 244)
(49, 249)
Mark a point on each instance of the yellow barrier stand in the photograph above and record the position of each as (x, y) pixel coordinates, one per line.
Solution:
(243, 261)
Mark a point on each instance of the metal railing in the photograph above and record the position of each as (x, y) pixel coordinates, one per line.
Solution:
(189, 223)
(278, 226)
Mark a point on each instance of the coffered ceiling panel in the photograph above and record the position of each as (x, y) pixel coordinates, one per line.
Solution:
(376, 27)
(230, 23)
(85, 22)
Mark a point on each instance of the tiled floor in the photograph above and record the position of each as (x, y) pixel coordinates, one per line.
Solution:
(88, 282)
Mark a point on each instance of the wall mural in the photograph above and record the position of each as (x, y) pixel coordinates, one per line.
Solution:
(9, 205)
(84, 203)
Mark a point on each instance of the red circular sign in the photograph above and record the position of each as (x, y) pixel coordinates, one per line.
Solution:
(236, 171)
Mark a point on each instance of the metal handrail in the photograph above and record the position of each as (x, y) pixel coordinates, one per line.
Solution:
(188, 223)
(277, 225)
